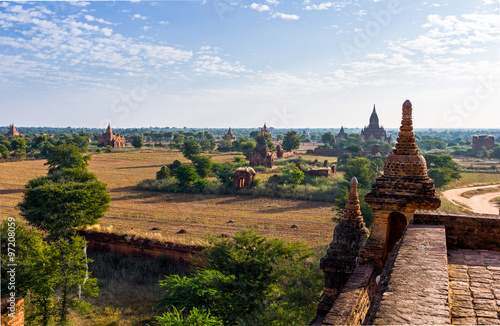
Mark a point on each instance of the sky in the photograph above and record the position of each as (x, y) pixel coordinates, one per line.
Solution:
(240, 64)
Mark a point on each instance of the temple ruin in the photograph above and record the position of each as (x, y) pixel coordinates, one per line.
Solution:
(13, 132)
(111, 139)
(230, 134)
(243, 177)
(374, 130)
(261, 154)
(486, 141)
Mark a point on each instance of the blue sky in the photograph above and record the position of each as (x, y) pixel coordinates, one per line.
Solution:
(220, 63)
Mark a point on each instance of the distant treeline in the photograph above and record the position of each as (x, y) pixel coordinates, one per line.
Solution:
(448, 135)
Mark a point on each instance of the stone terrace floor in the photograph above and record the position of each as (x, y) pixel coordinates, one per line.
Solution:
(474, 281)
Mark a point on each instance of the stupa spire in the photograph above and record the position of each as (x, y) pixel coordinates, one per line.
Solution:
(406, 144)
(352, 210)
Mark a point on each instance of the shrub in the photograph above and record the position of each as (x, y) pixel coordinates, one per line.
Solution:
(163, 173)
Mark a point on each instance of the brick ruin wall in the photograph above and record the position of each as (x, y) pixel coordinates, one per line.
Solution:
(463, 230)
(133, 245)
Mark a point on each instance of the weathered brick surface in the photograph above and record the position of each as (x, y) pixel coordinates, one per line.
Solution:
(474, 281)
(415, 290)
(353, 303)
(464, 230)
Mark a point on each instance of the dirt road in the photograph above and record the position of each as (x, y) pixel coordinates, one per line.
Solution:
(478, 204)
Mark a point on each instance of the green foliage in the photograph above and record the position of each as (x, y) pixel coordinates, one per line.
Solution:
(428, 143)
(48, 274)
(328, 138)
(494, 154)
(175, 164)
(244, 278)
(291, 141)
(363, 169)
(66, 157)
(442, 169)
(294, 176)
(4, 151)
(203, 165)
(247, 147)
(207, 145)
(137, 141)
(190, 148)
(185, 174)
(163, 173)
(196, 317)
(58, 207)
(18, 143)
(225, 145)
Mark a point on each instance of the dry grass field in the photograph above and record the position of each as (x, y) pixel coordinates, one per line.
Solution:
(137, 212)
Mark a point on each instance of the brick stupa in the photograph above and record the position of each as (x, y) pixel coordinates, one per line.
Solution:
(341, 257)
(261, 155)
(403, 188)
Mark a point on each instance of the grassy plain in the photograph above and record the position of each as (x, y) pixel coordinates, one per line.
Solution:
(137, 212)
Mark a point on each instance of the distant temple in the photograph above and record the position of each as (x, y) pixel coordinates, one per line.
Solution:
(341, 134)
(230, 134)
(261, 155)
(12, 131)
(374, 130)
(267, 131)
(110, 139)
(487, 141)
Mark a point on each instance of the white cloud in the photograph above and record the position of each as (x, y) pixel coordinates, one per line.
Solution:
(138, 16)
(79, 3)
(321, 6)
(163, 22)
(285, 16)
(259, 7)
(146, 28)
(273, 2)
(91, 18)
(107, 31)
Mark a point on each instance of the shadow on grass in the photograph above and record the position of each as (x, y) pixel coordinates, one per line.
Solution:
(140, 167)
(299, 206)
(11, 191)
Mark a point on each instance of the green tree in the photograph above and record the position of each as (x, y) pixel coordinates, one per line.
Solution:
(291, 141)
(225, 145)
(442, 169)
(4, 151)
(163, 173)
(191, 147)
(66, 156)
(137, 141)
(185, 174)
(18, 143)
(240, 279)
(363, 169)
(203, 165)
(328, 138)
(247, 147)
(495, 153)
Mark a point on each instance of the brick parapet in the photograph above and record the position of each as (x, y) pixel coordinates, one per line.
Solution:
(353, 303)
(464, 230)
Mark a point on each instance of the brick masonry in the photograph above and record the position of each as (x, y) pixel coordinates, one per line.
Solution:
(474, 279)
(415, 290)
(464, 230)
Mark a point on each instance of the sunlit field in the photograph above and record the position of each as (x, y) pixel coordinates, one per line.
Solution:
(138, 212)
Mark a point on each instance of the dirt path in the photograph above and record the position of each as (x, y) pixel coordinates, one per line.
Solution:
(478, 204)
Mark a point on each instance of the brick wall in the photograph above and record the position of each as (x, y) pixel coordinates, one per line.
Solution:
(18, 318)
(133, 245)
(353, 303)
(464, 230)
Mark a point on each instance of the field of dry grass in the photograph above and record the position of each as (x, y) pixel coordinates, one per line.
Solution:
(137, 212)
